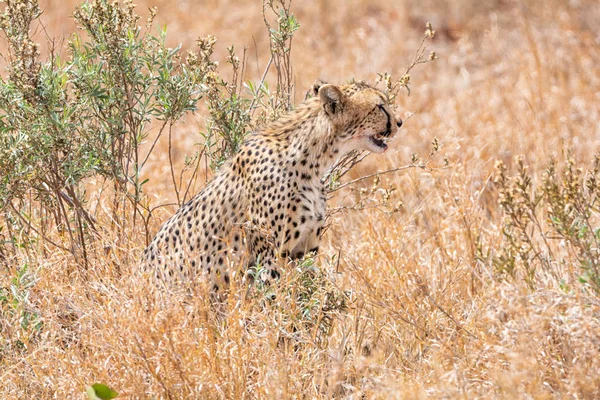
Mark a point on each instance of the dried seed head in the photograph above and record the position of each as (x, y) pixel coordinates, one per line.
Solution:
(151, 16)
(429, 32)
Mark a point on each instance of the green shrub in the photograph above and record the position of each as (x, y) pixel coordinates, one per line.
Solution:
(66, 120)
(551, 223)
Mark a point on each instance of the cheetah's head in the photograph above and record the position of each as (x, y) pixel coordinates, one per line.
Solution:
(363, 114)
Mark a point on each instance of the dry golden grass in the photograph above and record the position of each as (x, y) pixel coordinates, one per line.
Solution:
(426, 315)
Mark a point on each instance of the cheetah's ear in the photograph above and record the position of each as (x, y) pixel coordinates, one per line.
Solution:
(331, 98)
(316, 86)
(314, 89)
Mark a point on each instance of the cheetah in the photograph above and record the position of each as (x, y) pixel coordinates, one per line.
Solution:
(268, 203)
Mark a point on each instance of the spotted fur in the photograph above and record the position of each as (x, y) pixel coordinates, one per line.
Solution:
(268, 202)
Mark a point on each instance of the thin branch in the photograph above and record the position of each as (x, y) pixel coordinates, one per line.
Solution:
(262, 81)
(194, 178)
(30, 226)
(389, 171)
(171, 164)
(154, 143)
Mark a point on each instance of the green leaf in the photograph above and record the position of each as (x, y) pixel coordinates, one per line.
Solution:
(100, 391)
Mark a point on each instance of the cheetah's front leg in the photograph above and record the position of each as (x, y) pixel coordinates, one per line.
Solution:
(263, 261)
(310, 241)
(308, 223)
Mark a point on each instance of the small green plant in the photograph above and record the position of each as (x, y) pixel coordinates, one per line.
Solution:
(306, 295)
(15, 307)
(99, 391)
(232, 103)
(229, 115)
(522, 216)
(281, 37)
(573, 207)
(541, 221)
(318, 298)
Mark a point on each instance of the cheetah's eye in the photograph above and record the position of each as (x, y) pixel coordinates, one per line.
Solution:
(382, 108)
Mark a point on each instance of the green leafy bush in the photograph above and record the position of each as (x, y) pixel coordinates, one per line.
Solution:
(66, 120)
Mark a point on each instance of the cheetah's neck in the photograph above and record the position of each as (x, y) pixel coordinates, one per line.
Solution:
(309, 139)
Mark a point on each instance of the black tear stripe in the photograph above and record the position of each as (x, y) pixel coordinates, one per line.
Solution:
(388, 126)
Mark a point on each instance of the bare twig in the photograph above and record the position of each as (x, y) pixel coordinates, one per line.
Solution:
(389, 171)
(154, 143)
(262, 81)
(30, 226)
(171, 164)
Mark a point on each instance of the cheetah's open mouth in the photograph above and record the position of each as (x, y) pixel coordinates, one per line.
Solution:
(375, 139)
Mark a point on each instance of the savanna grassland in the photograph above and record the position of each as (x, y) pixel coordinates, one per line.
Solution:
(469, 267)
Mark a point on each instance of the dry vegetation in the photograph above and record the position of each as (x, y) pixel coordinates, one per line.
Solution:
(478, 277)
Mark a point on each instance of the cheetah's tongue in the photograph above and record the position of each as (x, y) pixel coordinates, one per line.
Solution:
(378, 142)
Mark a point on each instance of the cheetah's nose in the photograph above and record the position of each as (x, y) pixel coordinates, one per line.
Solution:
(399, 123)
